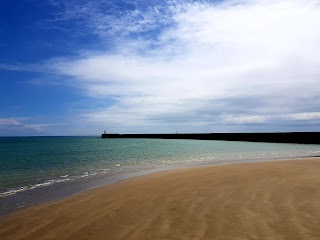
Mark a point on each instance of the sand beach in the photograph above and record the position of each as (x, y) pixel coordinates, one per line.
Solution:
(263, 200)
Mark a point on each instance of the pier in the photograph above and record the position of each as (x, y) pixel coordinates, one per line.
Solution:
(276, 137)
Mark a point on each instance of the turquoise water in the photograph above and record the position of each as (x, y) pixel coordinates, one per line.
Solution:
(34, 162)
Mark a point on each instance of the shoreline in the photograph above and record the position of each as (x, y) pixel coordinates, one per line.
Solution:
(91, 162)
(127, 193)
(64, 190)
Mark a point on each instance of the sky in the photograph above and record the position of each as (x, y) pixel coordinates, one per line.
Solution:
(78, 67)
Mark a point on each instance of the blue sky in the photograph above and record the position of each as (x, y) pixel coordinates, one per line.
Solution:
(75, 67)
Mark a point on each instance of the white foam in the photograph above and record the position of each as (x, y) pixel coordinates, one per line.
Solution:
(86, 174)
(30, 187)
(103, 171)
(314, 152)
(45, 183)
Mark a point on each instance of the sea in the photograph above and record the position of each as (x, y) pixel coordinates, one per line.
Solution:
(35, 170)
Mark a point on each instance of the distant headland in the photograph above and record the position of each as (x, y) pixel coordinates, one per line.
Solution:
(276, 137)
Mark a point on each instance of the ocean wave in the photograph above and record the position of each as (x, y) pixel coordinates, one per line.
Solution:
(31, 186)
(63, 178)
(314, 152)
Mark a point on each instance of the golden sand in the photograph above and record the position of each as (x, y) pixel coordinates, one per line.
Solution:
(269, 200)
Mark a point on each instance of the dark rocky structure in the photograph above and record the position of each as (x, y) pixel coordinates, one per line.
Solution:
(277, 137)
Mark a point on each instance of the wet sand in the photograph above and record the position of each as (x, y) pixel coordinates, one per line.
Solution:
(265, 200)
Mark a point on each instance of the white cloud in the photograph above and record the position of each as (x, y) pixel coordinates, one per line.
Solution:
(10, 122)
(23, 125)
(245, 119)
(104, 18)
(304, 116)
(210, 54)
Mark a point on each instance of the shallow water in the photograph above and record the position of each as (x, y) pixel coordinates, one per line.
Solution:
(36, 170)
(28, 163)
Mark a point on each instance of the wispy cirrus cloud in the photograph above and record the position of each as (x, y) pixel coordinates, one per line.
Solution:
(115, 18)
(10, 121)
(10, 126)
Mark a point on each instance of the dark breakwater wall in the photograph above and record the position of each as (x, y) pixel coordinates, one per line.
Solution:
(285, 137)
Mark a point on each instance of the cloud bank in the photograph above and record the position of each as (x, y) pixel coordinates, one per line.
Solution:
(195, 65)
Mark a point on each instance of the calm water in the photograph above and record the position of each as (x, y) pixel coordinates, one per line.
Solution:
(35, 162)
